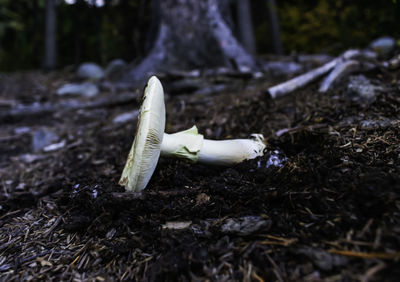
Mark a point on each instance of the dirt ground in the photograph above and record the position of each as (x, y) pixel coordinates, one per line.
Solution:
(329, 212)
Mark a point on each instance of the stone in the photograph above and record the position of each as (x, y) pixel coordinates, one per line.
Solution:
(383, 46)
(361, 89)
(373, 124)
(176, 225)
(322, 259)
(90, 71)
(245, 225)
(115, 67)
(87, 89)
(42, 138)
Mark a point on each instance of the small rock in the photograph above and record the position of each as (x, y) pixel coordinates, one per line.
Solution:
(271, 159)
(21, 186)
(275, 158)
(90, 71)
(383, 46)
(372, 124)
(115, 67)
(125, 117)
(44, 262)
(94, 193)
(361, 89)
(394, 63)
(87, 89)
(202, 199)
(258, 75)
(202, 227)
(244, 69)
(42, 138)
(245, 225)
(192, 73)
(176, 225)
(323, 259)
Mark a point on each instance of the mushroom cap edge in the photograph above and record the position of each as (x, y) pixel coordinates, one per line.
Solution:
(145, 151)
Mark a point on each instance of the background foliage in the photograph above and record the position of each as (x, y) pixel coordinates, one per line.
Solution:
(329, 25)
(119, 29)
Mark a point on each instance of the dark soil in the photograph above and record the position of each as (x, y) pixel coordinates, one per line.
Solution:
(330, 213)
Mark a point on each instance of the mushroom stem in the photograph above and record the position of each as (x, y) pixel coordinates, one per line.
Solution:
(229, 152)
(191, 145)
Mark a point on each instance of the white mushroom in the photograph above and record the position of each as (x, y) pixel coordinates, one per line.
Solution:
(150, 141)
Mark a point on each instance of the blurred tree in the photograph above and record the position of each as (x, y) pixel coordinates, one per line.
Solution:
(50, 56)
(245, 25)
(191, 34)
(275, 29)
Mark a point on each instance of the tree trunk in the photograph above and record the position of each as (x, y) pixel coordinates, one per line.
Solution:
(50, 56)
(245, 25)
(191, 34)
(275, 30)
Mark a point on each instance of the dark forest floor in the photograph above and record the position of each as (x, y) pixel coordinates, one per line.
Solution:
(330, 213)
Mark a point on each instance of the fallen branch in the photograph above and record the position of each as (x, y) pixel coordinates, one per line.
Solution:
(42, 109)
(343, 69)
(304, 79)
(300, 81)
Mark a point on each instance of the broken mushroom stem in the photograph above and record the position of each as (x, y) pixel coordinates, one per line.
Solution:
(191, 145)
(150, 142)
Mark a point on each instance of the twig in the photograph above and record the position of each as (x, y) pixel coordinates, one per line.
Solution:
(338, 72)
(278, 241)
(6, 267)
(277, 270)
(51, 229)
(300, 81)
(373, 270)
(304, 79)
(342, 70)
(365, 255)
(255, 276)
(9, 243)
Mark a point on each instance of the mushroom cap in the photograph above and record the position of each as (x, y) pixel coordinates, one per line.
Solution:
(143, 156)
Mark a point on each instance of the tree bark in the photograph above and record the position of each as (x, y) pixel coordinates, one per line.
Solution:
(191, 34)
(245, 25)
(50, 56)
(275, 30)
